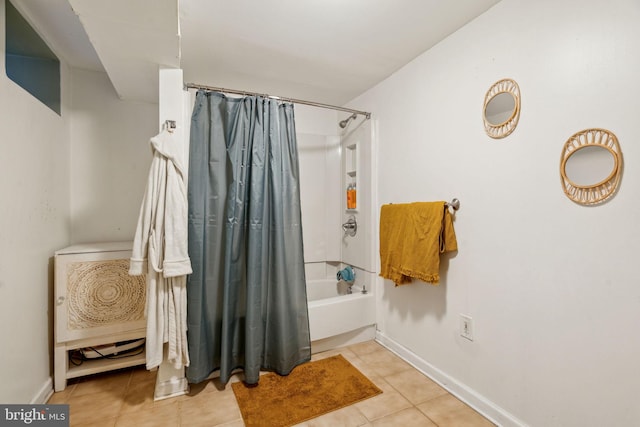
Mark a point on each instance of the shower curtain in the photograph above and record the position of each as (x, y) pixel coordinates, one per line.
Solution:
(247, 304)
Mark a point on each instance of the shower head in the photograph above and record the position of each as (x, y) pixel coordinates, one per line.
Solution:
(343, 124)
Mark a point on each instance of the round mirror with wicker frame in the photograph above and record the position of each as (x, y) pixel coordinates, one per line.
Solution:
(594, 149)
(501, 110)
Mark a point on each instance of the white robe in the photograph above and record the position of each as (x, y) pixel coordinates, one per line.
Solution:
(160, 251)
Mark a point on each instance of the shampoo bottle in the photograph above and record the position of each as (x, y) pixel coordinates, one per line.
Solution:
(353, 196)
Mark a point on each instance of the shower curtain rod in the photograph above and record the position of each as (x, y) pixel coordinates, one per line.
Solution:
(280, 98)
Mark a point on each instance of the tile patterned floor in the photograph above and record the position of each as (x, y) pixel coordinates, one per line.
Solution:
(125, 398)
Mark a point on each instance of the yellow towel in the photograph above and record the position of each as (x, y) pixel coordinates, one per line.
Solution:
(412, 237)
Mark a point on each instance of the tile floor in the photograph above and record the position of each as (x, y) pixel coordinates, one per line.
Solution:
(125, 398)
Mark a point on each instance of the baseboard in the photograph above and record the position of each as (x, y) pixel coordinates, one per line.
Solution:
(487, 408)
(44, 393)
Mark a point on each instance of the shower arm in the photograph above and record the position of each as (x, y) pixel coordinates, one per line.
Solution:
(343, 124)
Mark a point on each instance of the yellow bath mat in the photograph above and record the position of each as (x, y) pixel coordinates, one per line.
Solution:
(310, 390)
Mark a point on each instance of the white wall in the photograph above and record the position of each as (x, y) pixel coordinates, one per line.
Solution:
(110, 158)
(551, 286)
(34, 222)
(78, 177)
(320, 182)
(357, 149)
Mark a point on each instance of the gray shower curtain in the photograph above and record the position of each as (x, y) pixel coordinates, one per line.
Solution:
(247, 303)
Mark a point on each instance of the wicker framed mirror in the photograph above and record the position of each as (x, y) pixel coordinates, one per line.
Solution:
(591, 166)
(501, 110)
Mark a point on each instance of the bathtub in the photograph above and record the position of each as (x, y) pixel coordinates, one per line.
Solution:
(333, 313)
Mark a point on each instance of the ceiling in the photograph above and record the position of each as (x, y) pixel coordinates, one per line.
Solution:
(326, 51)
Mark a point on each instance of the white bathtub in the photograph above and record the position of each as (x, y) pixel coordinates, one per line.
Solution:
(332, 314)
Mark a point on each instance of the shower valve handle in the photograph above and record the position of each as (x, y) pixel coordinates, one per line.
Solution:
(351, 226)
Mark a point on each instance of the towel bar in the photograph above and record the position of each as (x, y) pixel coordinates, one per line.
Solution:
(455, 204)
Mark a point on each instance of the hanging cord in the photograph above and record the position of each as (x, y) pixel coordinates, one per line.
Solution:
(77, 357)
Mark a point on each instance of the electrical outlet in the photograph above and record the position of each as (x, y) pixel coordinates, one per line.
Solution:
(466, 327)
